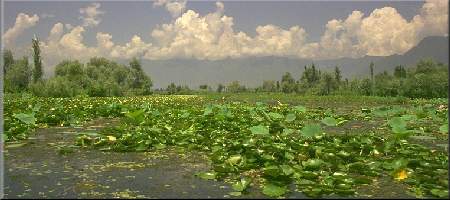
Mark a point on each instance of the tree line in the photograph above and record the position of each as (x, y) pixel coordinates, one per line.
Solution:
(98, 77)
(103, 77)
(427, 79)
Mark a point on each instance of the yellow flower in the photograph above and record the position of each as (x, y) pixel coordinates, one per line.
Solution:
(400, 175)
(111, 138)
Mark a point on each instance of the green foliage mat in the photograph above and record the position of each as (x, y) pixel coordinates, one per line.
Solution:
(273, 145)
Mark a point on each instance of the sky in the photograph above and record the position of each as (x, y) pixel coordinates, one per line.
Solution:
(214, 30)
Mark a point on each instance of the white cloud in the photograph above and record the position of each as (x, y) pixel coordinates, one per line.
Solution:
(175, 7)
(195, 36)
(90, 15)
(56, 32)
(23, 22)
(135, 48)
(104, 41)
(65, 44)
(386, 32)
(338, 38)
(383, 32)
(434, 16)
(212, 37)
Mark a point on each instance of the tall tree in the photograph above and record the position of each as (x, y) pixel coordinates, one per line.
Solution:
(140, 80)
(327, 83)
(135, 64)
(235, 87)
(371, 78)
(400, 72)
(310, 76)
(269, 86)
(287, 83)
(337, 74)
(172, 88)
(220, 88)
(8, 61)
(37, 70)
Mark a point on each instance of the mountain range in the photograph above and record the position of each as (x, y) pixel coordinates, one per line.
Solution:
(252, 71)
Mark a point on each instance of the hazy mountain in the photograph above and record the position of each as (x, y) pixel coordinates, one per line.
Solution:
(253, 70)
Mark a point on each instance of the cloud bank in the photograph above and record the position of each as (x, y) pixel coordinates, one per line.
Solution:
(212, 36)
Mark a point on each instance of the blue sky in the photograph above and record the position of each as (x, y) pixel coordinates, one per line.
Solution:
(124, 19)
(215, 30)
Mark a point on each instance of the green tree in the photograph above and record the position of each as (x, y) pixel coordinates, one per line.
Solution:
(139, 81)
(428, 80)
(220, 88)
(8, 61)
(72, 69)
(287, 83)
(37, 70)
(269, 86)
(98, 77)
(365, 87)
(371, 78)
(328, 83)
(172, 88)
(135, 64)
(337, 75)
(235, 87)
(385, 85)
(400, 72)
(18, 77)
(310, 77)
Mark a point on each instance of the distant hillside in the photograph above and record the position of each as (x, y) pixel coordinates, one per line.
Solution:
(252, 71)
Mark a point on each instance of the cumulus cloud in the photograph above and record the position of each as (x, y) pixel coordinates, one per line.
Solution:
(212, 37)
(338, 38)
(23, 22)
(63, 43)
(434, 17)
(175, 7)
(135, 48)
(90, 15)
(383, 32)
(386, 32)
(194, 36)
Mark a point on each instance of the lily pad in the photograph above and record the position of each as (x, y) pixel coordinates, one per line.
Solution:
(206, 175)
(443, 128)
(329, 121)
(259, 130)
(299, 108)
(273, 190)
(290, 117)
(311, 130)
(28, 119)
(241, 185)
